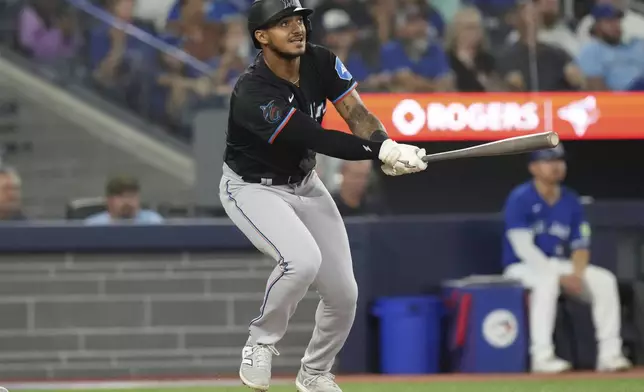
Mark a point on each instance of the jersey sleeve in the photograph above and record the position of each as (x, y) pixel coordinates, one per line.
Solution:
(337, 79)
(515, 215)
(579, 227)
(261, 112)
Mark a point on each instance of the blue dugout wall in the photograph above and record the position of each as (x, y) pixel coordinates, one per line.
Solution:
(393, 256)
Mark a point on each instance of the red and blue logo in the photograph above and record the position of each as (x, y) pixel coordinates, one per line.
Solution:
(271, 112)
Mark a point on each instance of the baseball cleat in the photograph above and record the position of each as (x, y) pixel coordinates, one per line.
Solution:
(324, 382)
(255, 369)
(550, 365)
(614, 364)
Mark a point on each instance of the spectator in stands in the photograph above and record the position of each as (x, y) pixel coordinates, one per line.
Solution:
(120, 63)
(608, 61)
(124, 205)
(45, 33)
(341, 36)
(383, 14)
(235, 57)
(553, 30)
(434, 18)
(356, 10)
(351, 196)
(546, 246)
(469, 58)
(176, 89)
(415, 61)
(10, 195)
(186, 15)
(222, 44)
(632, 22)
(530, 65)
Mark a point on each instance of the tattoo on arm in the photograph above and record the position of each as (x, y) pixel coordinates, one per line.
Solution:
(361, 122)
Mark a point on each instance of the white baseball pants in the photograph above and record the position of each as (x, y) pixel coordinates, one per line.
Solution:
(601, 291)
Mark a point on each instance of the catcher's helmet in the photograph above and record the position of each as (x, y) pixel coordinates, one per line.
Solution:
(264, 13)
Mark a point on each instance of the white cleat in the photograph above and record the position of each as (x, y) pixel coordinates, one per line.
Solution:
(550, 365)
(255, 369)
(614, 364)
(325, 382)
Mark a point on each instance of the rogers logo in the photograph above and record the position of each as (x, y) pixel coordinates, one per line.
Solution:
(410, 117)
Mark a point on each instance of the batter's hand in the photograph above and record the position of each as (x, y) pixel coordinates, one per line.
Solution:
(399, 159)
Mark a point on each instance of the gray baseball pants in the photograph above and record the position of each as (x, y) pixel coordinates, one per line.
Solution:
(299, 226)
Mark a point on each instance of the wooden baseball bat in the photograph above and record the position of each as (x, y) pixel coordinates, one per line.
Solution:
(509, 146)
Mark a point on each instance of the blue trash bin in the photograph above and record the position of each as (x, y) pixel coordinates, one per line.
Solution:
(409, 334)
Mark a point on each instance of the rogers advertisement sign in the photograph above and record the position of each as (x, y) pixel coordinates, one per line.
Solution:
(492, 116)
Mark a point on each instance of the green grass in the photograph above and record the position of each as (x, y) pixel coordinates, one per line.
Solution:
(592, 385)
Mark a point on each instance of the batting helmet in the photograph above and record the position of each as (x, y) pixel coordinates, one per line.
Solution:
(264, 13)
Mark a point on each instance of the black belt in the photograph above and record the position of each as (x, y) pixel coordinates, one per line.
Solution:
(282, 180)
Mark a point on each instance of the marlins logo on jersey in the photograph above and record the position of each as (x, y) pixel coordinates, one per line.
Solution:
(272, 113)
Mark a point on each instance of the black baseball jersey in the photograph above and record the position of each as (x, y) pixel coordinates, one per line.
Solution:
(262, 104)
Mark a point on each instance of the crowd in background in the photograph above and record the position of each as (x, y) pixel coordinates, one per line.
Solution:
(388, 45)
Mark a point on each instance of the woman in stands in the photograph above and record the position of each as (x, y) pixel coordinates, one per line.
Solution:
(466, 45)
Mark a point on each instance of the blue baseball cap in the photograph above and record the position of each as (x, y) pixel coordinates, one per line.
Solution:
(606, 11)
(550, 154)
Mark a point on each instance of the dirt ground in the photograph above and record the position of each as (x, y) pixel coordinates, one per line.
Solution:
(633, 374)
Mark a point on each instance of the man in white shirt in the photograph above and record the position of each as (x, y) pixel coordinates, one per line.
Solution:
(124, 205)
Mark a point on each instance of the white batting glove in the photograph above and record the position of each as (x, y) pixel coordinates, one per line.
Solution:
(399, 159)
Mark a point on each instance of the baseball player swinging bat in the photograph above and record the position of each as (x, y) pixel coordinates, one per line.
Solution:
(509, 146)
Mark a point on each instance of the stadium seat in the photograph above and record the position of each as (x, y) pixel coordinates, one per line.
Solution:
(168, 210)
(210, 212)
(82, 208)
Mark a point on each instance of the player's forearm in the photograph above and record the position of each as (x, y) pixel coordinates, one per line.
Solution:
(362, 123)
(580, 259)
(303, 132)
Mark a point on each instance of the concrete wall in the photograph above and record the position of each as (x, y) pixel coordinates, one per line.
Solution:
(85, 316)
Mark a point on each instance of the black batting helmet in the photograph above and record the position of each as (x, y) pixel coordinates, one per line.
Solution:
(264, 13)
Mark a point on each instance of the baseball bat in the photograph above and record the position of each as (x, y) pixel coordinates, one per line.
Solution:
(508, 146)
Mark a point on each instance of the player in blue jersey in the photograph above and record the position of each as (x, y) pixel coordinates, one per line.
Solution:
(546, 246)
